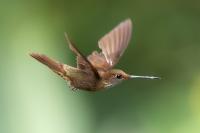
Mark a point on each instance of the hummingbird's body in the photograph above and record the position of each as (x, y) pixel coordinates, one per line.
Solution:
(81, 79)
(95, 72)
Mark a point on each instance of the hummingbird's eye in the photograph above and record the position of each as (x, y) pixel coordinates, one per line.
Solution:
(118, 76)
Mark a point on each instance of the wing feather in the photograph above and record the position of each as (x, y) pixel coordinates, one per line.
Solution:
(82, 61)
(113, 44)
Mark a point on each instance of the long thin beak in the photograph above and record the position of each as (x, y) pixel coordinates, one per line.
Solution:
(144, 77)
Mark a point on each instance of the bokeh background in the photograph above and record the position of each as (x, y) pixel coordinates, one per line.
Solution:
(165, 42)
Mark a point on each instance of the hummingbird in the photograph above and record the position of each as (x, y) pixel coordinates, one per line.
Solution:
(96, 71)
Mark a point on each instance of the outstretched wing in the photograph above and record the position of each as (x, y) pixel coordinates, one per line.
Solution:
(82, 61)
(113, 45)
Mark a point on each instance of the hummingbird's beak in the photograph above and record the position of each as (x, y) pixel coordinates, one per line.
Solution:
(144, 77)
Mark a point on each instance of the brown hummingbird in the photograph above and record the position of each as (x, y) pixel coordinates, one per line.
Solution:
(95, 72)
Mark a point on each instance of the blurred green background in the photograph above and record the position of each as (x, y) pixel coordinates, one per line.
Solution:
(165, 42)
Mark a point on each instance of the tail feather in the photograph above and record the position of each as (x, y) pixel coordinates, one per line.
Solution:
(52, 64)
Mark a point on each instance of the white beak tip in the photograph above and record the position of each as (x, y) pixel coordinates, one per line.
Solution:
(144, 77)
(155, 77)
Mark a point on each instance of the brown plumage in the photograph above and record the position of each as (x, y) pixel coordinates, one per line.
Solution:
(52, 64)
(96, 71)
(113, 44)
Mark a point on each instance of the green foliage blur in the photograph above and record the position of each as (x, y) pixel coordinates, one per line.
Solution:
(165, 43)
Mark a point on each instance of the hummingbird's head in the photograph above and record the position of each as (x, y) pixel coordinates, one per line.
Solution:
(118, 74)
(115, 76)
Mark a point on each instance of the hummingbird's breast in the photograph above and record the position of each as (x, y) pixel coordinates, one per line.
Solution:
(87, 82)
(84, 84)
(81, 79)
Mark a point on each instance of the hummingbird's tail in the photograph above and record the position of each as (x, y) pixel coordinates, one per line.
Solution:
(52, 64)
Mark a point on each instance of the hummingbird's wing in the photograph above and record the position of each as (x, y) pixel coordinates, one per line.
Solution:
(82, 61)
(113, 45)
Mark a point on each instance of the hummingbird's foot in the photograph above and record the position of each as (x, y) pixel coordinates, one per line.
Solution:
(71, 86)
(74, 89)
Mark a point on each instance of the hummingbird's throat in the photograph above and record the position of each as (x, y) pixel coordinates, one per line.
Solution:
(112, 83)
